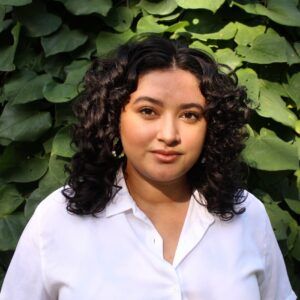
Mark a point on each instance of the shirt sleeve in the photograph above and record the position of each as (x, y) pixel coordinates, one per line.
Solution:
(274, 281)
(24, 278)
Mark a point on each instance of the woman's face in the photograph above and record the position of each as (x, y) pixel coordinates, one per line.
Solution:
(162, 128)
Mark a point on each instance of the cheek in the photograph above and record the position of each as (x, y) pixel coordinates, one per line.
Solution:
(133, 133)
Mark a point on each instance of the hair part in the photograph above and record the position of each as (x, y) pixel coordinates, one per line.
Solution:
(108, 85)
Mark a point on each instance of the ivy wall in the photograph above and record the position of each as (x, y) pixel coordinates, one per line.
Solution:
(46, 47)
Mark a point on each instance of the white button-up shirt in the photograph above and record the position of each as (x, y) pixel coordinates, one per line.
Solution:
(119, 255)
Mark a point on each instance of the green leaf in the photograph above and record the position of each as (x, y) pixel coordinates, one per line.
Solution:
(272, 106)
(261, 51)
(18, 80)
(10, 199)
(119, 18)
(32, 90)
(37, 20)
(226, 33)
(79, 7)
(193, 4)
(268, 152)
(7, 54)
(158, 8)
(200, 46)
(228, 57)
(107, 41)
(285, 227)
(21, 123)
(248, 78)
(149, 24)
(54, 178)
(61, 143)
(293, 88)
(296, 249)
(246, 35)
(29, 170)
(65, 40)
(15, 2)
(11, 228)
(60, 92)
(281, 11)
(64, 92)
(76, 71)
(294, 205)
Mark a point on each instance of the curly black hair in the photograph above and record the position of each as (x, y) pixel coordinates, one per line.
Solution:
(218, 174)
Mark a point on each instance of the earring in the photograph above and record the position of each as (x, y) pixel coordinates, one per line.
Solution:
(114, 152)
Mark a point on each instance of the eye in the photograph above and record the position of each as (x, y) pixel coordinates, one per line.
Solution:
(191, 116)
(147, 111)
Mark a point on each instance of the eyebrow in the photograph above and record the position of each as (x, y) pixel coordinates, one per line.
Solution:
(160, 103)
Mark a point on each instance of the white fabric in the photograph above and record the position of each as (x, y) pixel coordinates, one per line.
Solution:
(119, 255)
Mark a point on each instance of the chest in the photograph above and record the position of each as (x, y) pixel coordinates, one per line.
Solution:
(108, 266)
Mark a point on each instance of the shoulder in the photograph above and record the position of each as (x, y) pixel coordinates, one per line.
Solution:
(254, 208)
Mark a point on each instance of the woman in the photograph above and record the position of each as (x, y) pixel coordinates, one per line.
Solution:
(154, 207)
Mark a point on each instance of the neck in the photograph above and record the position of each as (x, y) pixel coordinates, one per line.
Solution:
(150, 193)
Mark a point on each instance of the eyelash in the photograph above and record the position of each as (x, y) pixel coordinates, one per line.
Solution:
(149, 112)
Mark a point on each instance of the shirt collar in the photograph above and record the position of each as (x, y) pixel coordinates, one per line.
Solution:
(122, 202)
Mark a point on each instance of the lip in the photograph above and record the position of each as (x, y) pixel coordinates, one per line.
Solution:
(166, 156)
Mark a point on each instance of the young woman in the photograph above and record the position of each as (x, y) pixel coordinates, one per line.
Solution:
(155, 206)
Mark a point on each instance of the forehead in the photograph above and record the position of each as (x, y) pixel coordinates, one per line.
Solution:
(175, 84)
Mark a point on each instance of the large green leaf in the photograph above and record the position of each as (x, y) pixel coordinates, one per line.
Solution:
(64, 92)
(79, 7)
(10, 199)
(11, 228)
(37, 20)
(272, 106)
(284, 12)
(248, 78)
(268, 152)
(15, 83)
(201, 46)
(226, 33)
(228, 57)
(29, 170)
(7, 53)
(61, 143)
(15, 2)
(293, 88)
(22, 123)
(150, 24)
(210, 5)
(158, 8)
(119, 18)
(54, 178)
(107, 41)
(32, 90)
(65, 40)
(261, 51)
(296, 249)
(247, 34)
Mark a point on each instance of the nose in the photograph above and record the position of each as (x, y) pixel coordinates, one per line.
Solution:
(168, 131)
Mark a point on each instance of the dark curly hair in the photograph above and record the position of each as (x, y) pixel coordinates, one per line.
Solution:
(108, 85)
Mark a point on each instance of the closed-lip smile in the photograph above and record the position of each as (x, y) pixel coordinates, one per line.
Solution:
(166, 156)
(166, 152)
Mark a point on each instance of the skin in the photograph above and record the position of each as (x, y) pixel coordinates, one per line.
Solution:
(164, 113)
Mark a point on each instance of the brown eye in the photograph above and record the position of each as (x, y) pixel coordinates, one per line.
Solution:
(147, 111)
(193, 116)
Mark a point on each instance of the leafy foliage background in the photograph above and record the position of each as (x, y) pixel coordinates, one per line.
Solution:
(46, 47)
